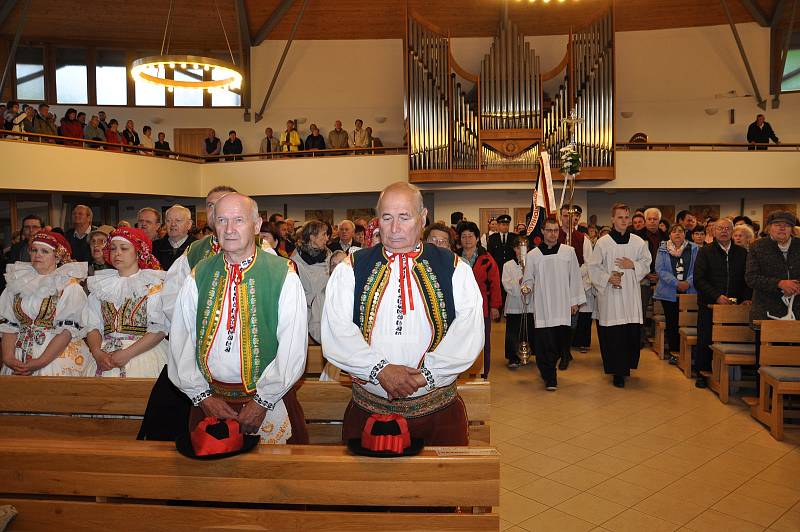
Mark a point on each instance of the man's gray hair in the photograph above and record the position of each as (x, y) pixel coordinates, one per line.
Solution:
(179, 207)
(347, 222)
(151, 209)
(651, 210)
(402, 186)
(81, 206)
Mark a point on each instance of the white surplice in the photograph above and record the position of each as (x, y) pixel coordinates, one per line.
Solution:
(176, 276)
(399, 338)
(619, 306)
(278, 377)
(512, 275)
(556, 282)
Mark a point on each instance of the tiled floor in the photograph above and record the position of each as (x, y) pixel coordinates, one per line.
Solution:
(657, 455)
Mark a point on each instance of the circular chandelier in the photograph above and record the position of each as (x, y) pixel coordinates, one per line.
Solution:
(156, 69)
(153, 69)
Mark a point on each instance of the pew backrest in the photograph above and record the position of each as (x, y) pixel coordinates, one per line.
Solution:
(775, 335)
(732, 324)
(687, 310)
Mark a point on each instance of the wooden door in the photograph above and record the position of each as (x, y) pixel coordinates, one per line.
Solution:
(189, 139)
(487, 214)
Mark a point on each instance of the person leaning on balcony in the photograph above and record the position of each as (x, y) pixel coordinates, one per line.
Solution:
(760, 132)
(269, 143)
(233, 146)
(42, 125)
(147, 139)
(360, 137)
(162, 146)
(337, 137)
(315, 141)
(93, 131)
(290, 139)
(211, 145)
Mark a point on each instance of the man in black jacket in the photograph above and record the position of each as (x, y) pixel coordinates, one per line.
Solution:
(78, 235)
(31, 225)
(760, 132)
(167, 250)
(719, 280)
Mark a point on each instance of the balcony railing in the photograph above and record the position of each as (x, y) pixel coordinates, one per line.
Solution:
(705, 146)
(71, 142)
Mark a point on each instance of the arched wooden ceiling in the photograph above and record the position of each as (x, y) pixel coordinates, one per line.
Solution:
(140, 24)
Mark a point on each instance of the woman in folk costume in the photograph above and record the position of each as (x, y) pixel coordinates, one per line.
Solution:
(124, 319)
(40, 312)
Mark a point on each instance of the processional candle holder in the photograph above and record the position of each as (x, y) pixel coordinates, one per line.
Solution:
(570, 173)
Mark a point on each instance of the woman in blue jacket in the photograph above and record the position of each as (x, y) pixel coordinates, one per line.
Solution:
(675, 268)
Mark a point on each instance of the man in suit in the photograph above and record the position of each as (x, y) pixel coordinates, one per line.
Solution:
(78, 235)
(345, 240)
(500, 245)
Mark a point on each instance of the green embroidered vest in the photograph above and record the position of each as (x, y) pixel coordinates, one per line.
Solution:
(257, 297)
(201, 249)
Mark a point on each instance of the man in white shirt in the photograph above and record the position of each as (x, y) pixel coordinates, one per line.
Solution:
(553, 275)
(619, 262)
(78, 236)
(359, 137)
(179, 220)
(404, 319)
(238, 338)
(345, 241)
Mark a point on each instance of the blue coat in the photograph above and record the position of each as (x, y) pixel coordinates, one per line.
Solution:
(667, 287)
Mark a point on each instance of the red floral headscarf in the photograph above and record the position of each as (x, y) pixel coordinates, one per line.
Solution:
(57, 242)
(140, 242)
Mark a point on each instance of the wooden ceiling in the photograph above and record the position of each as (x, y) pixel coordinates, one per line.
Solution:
(140, 24)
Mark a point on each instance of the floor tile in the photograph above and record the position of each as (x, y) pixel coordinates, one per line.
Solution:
(713, 521)
(515, 508)
(776, 494)
(621, 492)
(539, 464)
(578, 477)
(591, 508)
(547, 491)
(513, 477)
(675, 511)
(749, 509)
(648, 477)
(554, 520)
(603, 463)
(635, 521)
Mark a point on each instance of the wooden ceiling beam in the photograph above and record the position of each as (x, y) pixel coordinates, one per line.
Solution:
(272, 21)
(755, 11)
(5, 10)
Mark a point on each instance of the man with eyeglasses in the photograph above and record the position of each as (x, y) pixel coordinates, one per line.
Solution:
(31, 225)
(719, 280)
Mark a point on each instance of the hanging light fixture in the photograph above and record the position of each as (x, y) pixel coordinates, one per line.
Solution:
(153, 69)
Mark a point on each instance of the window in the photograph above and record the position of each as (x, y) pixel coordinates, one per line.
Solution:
(188, 97)
(112, 82)
(71, 86)
(223, 98)
(30, 73)
(150, 94)
(791, 71)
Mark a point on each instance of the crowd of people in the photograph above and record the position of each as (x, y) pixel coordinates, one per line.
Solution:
(133, 302)
(20, 118)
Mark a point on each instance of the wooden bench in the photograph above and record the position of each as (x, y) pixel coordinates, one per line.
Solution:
(72, 405)
(732, 345)
(660, 330)
(779, 371)
(86, 485)
(687, 329)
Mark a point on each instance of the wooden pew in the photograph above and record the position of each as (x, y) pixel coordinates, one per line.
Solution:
(69, 401)
(80, 485)
(687, 328)
(732, 345)
(779, 371)
(660, 330)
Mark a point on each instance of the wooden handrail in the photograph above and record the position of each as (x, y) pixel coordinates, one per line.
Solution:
(678, 146)
(72, 142)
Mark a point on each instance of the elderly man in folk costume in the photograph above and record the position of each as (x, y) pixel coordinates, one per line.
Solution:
(404, 319)
(619, 262)
(239, 337)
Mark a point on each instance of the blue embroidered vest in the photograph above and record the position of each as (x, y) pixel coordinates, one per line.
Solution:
(433, 273)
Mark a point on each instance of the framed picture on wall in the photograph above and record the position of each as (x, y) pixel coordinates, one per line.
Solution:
(202, 219)
(368, 213)
(704, 212)
(770, 207)
(326, 215)
(487, 214)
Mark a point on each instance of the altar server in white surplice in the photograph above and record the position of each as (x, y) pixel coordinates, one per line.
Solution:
(619, 262)
(552, 272)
